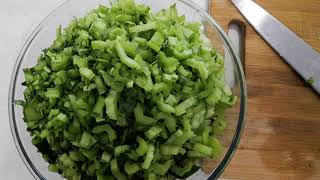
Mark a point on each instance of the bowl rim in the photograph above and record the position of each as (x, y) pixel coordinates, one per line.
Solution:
(237, 63)
(243, 92)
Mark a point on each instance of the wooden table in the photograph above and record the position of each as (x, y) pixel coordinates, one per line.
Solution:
(282, 134)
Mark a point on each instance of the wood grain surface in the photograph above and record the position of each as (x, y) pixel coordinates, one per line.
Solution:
(282, 134)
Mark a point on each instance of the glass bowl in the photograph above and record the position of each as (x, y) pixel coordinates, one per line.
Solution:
(44, 35)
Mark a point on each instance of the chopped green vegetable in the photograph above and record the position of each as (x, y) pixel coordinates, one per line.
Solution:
(86, 140)
(116, 171)
(143, 146)
(160, 169)
(86, 73)
(141, 118)
(169, 149)
(156, 41)
(148, 159)
(121, 149)
(97, 109)
(153, 132)
(123, 93)
(183, 106)
(124, 58)
(106, 157)
(112, 105)
(112, 135)
(131, 168)
(143, 27)
(53, 93)
(101, 87)
(311, 80)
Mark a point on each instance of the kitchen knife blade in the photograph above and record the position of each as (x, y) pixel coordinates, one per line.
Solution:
(297, 53)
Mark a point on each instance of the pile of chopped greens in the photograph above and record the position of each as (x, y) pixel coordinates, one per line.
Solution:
(123, 93)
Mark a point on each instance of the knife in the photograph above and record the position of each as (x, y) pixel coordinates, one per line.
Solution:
(297, 53)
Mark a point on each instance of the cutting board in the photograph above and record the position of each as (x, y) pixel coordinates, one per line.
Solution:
(281, 139)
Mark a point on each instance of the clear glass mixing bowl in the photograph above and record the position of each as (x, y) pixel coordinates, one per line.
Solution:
(44, 35)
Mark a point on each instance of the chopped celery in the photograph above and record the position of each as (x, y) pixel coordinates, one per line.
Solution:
(106, 157)
(141, 118)
(183, 106)
(121, 149)
(31, 114)
(166, 108)
(202, 149)
(153, 132)
(143, 27)
(187, 166)
(149, 157)
(169, 120)
(143, 146)
(160, 169)
(101, 87)
(124, 93)
(131, 168)
(166, 149)
(87, 140)
(200, 66)
(86, 73)
(116, 171)
(156, 41)
(111, 103)
(112, 135)
(124, 58)
(97, 109)
(169, 64)
(99, 45)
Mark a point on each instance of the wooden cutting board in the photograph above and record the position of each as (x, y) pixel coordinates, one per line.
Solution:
(282, 133)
